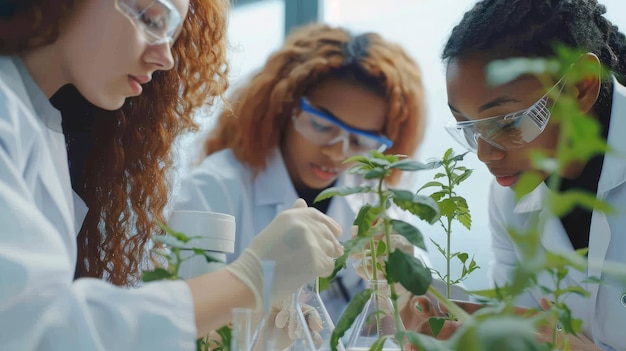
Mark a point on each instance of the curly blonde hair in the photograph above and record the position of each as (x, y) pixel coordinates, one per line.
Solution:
(126, 186)
(261, 110)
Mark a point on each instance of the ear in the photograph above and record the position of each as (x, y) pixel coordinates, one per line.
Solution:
(588, 87)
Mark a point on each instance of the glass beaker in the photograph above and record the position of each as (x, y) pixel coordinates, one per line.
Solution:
(312, 313)
(241, 334)
(375, 321)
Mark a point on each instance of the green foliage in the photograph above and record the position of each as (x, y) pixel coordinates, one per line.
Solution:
(373, 219)
(175, 242)
(452, 207)
(348, 317)
(408, 271)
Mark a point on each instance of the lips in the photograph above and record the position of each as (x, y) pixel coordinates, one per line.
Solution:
(325, 173)
(142, 79)
(506, 179)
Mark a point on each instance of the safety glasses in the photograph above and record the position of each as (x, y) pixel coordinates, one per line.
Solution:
(324, 129)
(513, 130)
(157, 20)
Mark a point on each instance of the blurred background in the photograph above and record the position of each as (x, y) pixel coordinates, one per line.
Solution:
(258, 27)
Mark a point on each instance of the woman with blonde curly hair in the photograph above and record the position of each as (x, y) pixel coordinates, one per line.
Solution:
(128, 75)
(323, 96)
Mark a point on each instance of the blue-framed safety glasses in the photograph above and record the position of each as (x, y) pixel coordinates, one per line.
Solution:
(158, 21)
(513, 130)
(324, 129)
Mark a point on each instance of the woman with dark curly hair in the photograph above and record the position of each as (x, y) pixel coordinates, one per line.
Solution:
(502, 123)
(128, 75)
(324, 96)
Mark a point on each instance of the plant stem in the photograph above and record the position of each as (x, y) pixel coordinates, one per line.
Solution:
(448, 232)
(392, 288)
(452, 308)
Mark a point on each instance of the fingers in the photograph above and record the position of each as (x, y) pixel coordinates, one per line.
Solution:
(329, 245)
(312, 317)
(469, 307)
(401, 243)
(325, 266)
(282, 318)
(334, 227)
(300, 203)
(545, 304)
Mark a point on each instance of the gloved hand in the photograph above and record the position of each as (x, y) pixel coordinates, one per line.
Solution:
(363, 265)
(303, 243)
(285, 318)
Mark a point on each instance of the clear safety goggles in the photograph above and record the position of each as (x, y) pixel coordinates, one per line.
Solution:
(157, 20)
(510, 131)
(324, 129)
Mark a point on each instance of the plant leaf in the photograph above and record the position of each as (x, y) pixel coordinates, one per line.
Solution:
(177, 235)
(341, 191)
(377, 173)
(436, 323)
(408, 271)
(379, 344)
(411, 165)
(463, 176)
(430, 185)
(365, 219)
(354, 308)
(411, 233)
(420, 205)
(156, 274)
(207, 257)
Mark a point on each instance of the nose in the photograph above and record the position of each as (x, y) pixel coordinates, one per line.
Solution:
(336, 151)
(159, 56)
(488, 153)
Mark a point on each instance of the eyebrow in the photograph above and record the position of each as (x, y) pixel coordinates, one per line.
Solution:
(499, 101)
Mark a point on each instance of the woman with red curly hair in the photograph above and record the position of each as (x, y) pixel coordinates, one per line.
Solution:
(323, 96)
(128, 75)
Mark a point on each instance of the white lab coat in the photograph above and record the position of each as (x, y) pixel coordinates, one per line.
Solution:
(221, 183)
(41, 306)
(604, 313)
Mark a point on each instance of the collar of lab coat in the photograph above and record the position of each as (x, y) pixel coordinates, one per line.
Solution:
(273, 186)
(614, 167)
(50, 116)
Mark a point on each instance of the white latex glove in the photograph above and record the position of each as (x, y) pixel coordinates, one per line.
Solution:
(365, 271)
(303, 243)
(285, 318)
(363, 267)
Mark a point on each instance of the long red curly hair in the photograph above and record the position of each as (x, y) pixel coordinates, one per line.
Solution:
(261, 110)
(126, 184)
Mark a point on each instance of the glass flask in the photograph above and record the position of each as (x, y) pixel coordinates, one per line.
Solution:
(243, 326)
(375, 321)
(309, 309)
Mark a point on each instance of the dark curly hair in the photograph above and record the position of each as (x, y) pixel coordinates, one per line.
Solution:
(264, 105)
(531, 28)
(124, 180)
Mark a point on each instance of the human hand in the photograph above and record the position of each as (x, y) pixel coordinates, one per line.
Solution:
(363, 265)
(303, 243)
(547, 333)
(285, 318)
(420, 309)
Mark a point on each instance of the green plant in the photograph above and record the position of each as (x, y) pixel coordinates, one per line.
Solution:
(169, 247)
(373, 219)
(452, 208)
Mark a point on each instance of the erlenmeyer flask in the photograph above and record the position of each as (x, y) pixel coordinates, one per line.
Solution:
(311, 313)
(376, 321)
